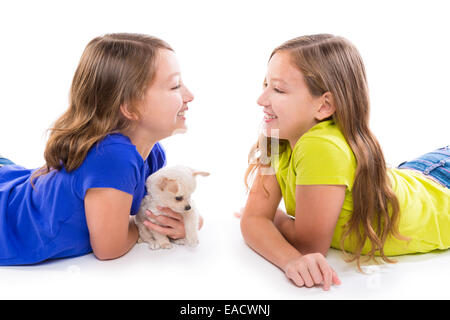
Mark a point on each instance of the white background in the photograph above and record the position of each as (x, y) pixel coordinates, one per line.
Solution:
(223, 48)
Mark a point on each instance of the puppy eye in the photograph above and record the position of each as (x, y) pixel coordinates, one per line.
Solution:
(178, 198)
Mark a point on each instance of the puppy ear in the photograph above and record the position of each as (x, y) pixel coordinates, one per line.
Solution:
(169, 184)
(172, 185)
(162, 184)
(201, 173)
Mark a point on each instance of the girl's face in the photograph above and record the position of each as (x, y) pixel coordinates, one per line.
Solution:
(165, 101)
(290, 110)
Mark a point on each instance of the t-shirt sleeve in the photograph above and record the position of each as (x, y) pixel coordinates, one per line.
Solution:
(157, 158)
(320, 161)
(114, 166)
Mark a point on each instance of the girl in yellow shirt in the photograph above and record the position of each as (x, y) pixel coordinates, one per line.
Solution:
(318, 154)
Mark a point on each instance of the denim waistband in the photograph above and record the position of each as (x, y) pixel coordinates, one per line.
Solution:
(434, 165)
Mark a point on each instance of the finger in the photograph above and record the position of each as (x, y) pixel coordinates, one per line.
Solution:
(150, 214)
(175, 228)
(304, 273)
(297, 279)
(161, 219)
(167, 221)
(200, 222)
(170, 213)
(164, 220)
(327, 273)
(334, 278)
(315, 272)
(293, 275)
(160, 229)
(240, 213)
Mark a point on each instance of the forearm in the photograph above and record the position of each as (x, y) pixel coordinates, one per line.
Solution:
(262, 236)
(286, 226)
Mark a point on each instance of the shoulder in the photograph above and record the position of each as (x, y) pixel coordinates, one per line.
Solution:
(112, 162)
(323, 156)
(325, 140)
(114, 155)
(157, 158)
(114, 144)
(115, 150)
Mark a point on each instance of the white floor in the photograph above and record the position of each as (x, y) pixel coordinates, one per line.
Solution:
(221, 267)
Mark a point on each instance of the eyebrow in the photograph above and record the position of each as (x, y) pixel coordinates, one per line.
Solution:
(277, 79)
(173, 75)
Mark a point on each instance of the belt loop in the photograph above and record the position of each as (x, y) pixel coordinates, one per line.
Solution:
(434, 166)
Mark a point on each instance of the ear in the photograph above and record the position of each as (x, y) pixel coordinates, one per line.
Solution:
(169, 184)
(327, 107)
(200, 173)
(127, 113)
(173, 186)
(162, 184)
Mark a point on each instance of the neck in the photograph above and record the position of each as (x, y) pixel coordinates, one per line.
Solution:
(293, 140)
(292, 143)
(143, 143)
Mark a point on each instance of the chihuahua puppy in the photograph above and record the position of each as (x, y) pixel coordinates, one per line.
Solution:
(170, 187)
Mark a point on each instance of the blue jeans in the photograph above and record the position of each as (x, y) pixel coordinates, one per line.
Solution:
(4, 161)
(435, 164)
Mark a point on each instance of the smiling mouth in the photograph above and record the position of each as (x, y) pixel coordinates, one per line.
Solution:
(268, 117)
(182, 112)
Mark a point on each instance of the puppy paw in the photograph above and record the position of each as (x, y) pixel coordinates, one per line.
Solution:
(180, 241)
(154, 245)
(192, 242)
(166, 245)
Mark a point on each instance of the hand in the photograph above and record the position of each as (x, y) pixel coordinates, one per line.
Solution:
(171, 223)
(311, 269)
(239, 214)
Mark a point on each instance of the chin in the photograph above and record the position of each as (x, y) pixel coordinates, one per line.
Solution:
(271, 132)
(179, 130)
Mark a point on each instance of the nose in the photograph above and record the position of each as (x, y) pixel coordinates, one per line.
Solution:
(262, 100)
(188, 96)
(188, 207)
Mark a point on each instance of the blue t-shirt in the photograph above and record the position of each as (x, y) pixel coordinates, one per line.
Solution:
(49, 221)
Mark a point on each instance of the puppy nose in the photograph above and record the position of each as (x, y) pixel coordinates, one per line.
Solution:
(188, 207)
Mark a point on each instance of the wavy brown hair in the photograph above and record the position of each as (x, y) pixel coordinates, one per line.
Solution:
(332, 64)
(114, 69)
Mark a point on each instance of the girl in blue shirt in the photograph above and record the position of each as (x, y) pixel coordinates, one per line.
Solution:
(126, 95)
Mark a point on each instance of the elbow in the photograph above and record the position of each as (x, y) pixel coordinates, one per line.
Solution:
(109, 249)
(251, 226)
(106, 254)
(104, 257)
(243, 225)
(247, 225)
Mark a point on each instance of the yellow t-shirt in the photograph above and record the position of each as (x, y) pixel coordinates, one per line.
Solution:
(322, 156)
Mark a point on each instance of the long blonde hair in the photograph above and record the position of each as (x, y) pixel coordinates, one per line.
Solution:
(114, 69)
(332, 64)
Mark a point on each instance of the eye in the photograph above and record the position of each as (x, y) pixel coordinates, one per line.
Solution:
(177, 87)
(277, 90)
(180, 198)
